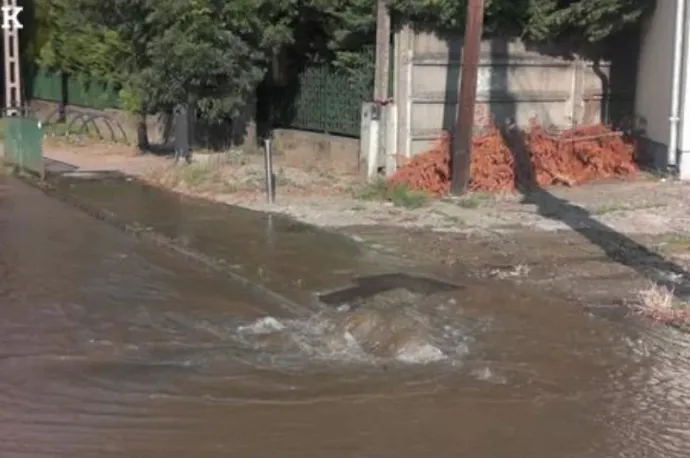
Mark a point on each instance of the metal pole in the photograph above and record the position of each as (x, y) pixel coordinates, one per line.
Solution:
(462, 143)
(13, 92)
(182, 134)
(270, 177)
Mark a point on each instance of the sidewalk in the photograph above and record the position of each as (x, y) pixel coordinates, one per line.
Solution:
(645, 206)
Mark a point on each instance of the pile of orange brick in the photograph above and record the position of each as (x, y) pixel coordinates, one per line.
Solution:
(570, 158)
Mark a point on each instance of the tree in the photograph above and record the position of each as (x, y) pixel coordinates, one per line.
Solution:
(208, 53)
(213, 53)
(586, 21)
(74, 43)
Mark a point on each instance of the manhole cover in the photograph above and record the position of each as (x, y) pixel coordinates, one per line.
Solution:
(365, 287)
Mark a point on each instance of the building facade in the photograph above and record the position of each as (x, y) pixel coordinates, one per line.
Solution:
(656, 81)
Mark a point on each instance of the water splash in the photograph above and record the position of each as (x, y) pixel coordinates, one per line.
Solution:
(399, 334)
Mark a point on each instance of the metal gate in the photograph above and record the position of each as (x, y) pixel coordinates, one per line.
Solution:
(23, 144)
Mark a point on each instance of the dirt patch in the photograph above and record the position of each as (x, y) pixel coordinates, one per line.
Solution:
(241, 178)
(88, 149)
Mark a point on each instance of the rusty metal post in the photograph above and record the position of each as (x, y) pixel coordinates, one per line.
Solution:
(462, 141)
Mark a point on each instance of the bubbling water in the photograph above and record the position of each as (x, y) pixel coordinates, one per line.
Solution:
(401, 332)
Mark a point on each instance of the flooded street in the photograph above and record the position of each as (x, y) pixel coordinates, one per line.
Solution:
(112, 346)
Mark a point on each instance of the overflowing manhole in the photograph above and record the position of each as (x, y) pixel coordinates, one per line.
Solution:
(368, 286)
(389, 318)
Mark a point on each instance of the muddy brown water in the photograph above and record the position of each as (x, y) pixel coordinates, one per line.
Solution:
(110, 346)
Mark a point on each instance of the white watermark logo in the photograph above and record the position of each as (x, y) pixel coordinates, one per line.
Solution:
(10, 17)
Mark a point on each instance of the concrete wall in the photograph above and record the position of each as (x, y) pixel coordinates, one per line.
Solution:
(514, 83)
(308, 149)
(297, 148)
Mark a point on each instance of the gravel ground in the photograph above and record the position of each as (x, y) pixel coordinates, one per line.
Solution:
(319, 197)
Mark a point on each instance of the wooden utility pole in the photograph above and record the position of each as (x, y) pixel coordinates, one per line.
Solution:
(462, 141)
(13, 89)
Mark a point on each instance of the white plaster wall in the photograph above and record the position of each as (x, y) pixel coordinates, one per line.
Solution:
(655, 72)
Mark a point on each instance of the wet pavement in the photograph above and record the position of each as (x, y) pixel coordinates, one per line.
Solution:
(113, 346)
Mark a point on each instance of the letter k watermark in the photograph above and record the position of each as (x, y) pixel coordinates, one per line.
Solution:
(10, 19)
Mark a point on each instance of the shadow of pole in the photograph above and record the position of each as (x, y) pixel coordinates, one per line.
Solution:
(503, 108)
(451, 95)
(64, 97)
(617, 247)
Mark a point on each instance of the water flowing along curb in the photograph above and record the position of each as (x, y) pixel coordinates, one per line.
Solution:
(149, 235)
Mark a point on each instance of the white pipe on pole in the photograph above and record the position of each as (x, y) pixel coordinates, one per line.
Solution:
(674, 119)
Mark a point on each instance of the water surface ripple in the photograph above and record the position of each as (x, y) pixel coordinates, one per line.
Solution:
(111, 347)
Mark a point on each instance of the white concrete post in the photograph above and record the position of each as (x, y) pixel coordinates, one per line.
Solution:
(373, 151)
(392, 139)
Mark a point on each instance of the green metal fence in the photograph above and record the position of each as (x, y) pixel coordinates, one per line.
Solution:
(74, 90)
(23, 144)
(323, 99)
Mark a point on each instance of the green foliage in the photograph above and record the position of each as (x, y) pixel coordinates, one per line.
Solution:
(213, 53)
(536, 20)
(593, 20)
(163, 52)
(74, 44)
(400, 195)
(130, 100)
(209, 54)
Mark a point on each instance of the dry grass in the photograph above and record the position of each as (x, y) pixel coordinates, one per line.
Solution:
(219, 175)
(471, 200)
(659, 303)
(655, 298)
(399, 195)
(237, 172)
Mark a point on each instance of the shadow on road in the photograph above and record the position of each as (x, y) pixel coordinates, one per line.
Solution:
(617, 247)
